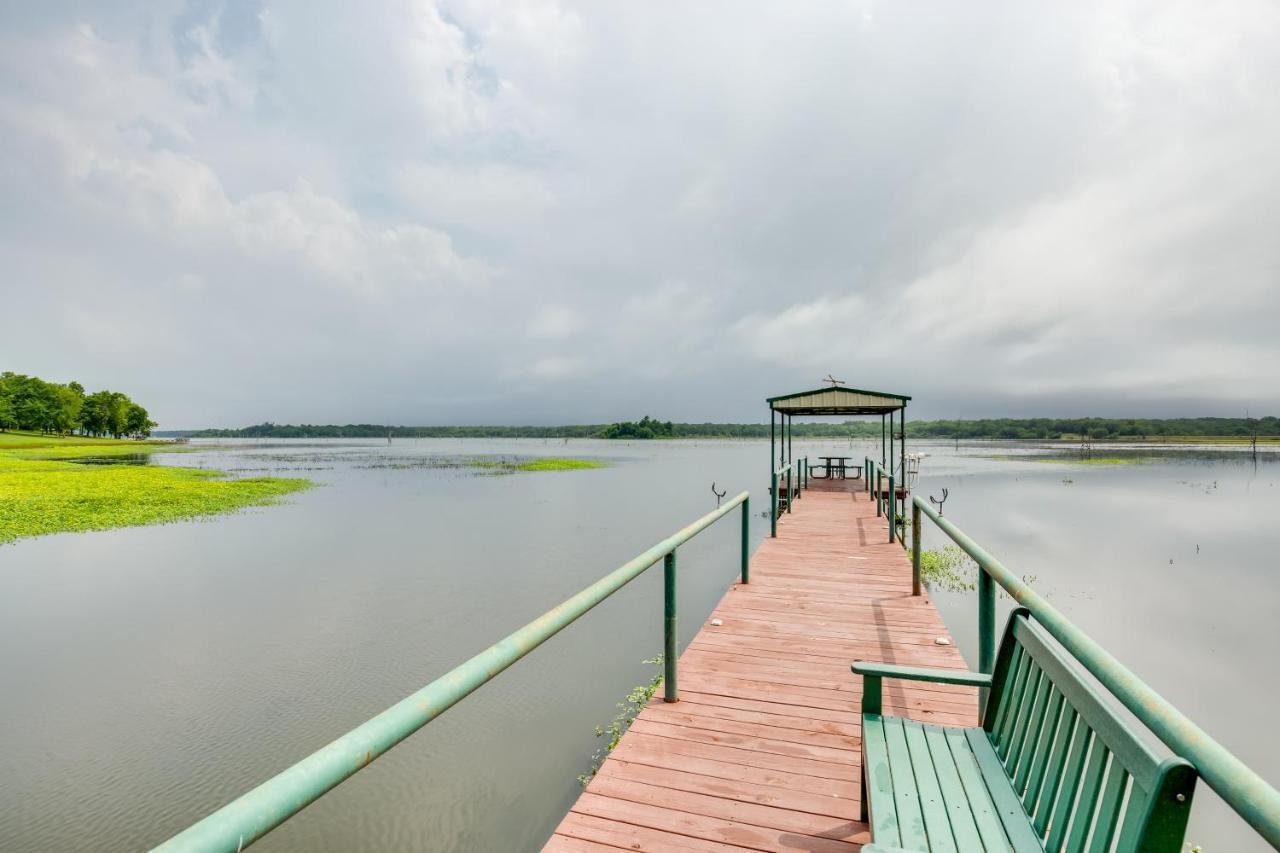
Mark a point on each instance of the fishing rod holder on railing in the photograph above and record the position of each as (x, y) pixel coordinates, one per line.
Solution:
(1251, 796)
(252, 815)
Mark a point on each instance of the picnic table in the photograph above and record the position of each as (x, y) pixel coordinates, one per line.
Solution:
(834, 467)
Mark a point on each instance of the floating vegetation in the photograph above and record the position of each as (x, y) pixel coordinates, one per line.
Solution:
(42, 491)
(628, 709)
(558, 464)
(949, 569)
(1071, 460)
(493, 466)
(1100, 460)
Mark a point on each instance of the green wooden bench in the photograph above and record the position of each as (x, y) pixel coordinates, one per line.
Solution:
(1051, 767)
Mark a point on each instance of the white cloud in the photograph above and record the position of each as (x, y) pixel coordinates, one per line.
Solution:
(554, 322)
(661, 208)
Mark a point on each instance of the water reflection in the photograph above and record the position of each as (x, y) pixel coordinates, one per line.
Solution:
(152, 674)
(123, 459)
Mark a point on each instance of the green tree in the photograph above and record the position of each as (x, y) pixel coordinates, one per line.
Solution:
(137, 423)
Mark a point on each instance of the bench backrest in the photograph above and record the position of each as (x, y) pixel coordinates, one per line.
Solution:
(1082, 773)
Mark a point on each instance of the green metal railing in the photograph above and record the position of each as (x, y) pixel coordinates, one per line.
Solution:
(246, 819)
(1251, 796)
(773, 492)
(884, 507)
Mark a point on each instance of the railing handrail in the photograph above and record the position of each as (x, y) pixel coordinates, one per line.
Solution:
(255, 813)
(778, 472)
(1251, 796)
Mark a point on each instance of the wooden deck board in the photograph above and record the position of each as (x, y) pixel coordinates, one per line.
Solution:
(762, 752)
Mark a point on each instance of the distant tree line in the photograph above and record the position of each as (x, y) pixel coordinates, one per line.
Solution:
(1095, 428)
(1098, 429)
(646, 427)
(31, 403)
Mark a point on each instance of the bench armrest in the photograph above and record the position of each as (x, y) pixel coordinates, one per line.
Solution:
(872, 672)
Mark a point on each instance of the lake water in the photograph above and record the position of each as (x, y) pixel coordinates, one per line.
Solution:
(152, 674)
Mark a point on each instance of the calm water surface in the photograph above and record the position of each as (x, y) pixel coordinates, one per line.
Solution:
(151, 674)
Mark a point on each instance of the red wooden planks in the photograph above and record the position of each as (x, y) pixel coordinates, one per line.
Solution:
(762, 751)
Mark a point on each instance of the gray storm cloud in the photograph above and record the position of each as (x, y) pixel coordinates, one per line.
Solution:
(483, 212)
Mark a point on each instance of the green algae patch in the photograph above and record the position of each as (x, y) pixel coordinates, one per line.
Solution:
(44, 489)
(558, 464)
(1073, 460)
(511, 466)
(1107, 460)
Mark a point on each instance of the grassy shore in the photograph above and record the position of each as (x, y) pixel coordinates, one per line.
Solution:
(43, 489)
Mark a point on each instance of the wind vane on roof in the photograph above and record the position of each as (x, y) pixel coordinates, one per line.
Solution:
(835, 383)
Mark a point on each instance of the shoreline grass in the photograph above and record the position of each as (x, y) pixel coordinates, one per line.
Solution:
(43, 490)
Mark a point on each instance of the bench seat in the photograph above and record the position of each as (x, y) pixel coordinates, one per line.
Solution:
(1051, 767)
(940, 788)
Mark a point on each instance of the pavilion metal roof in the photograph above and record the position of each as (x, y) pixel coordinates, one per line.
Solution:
(838, 401)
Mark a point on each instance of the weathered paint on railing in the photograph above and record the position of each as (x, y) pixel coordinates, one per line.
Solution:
(1251, 796)
(246, 819)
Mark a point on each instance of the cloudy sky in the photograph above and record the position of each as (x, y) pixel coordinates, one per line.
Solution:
(489, 211)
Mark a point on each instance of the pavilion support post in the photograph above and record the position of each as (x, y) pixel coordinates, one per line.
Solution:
(791, 430)
(791, 426)
(882, 459)
(902, 451)
(890, 462)
(902, 455)
(773, 439)
(773, 472)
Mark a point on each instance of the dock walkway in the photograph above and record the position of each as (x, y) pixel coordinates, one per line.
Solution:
(762, 751)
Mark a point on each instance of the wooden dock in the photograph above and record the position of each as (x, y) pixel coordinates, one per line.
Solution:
(762, 751)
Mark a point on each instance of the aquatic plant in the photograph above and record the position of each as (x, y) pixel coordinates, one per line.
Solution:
(43, 491)
(628, 709)
(484, 465)
(949, 569)
(557, 464)
(952, 570)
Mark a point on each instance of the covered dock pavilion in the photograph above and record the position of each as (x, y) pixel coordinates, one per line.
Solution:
(835, 401)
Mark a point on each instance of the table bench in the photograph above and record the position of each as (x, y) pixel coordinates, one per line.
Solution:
(1051, 767)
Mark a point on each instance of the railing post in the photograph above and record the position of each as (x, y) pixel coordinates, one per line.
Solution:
(790, 495)
(892, 510)
(669, 653)
(986, 627)
(773, 505)
(746, 531)
(915, 549)
(877, 495)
